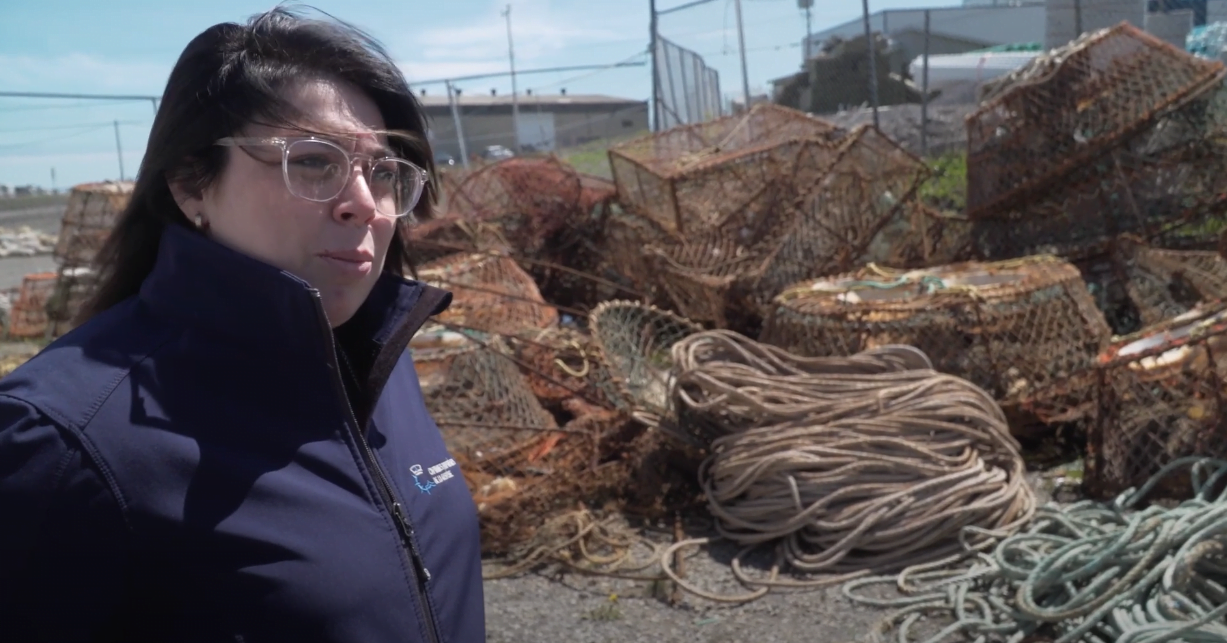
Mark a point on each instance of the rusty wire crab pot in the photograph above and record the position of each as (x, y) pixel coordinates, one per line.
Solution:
(711, 175)
(1007, 327)
(636, 341)
(92, 212)
(1164, 283)
(1117, 132)
(1153, 397)
(718, 276)
(491, 293)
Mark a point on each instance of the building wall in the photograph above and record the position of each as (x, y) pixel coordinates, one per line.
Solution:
(572, 126)
(1173, 27)
(989, 25)
(1062, 17)
(1216, 11)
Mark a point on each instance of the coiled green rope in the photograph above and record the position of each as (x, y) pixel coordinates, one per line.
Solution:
(1087, 572)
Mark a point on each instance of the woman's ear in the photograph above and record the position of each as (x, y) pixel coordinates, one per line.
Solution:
(189, 199)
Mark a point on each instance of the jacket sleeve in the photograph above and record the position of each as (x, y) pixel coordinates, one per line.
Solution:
(62, 535)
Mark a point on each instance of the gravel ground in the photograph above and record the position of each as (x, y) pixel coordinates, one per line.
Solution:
(546, 607)
(585, 609)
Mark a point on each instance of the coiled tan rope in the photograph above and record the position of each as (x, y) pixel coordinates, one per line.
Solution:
(853, 466)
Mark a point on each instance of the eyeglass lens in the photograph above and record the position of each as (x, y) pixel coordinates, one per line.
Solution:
(318, 171)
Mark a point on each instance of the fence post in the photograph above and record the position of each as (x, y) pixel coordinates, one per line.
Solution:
(924, 94)
(873, 62)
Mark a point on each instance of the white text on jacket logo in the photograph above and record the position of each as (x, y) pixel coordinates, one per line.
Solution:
(439, 474)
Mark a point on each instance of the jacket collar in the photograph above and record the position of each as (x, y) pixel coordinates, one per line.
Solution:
(209, 286)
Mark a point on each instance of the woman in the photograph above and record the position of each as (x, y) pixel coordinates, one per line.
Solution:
(234, 445)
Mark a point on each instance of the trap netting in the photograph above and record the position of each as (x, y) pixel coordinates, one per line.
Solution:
(728, 276)
(563, 364)
(695, 177)
(1119, 133)
(93, 210)
(636, 340)
(555, 435)
(538, 210)
(1007, 327)
(1164, 284)
(1066, 107)
(28, 315)
(1152, 398)
(491, 293)
(919, 236)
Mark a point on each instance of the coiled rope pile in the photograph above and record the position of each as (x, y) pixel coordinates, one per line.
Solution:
(853, 466)
(1089, 572)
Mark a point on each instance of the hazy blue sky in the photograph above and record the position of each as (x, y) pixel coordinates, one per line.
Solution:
(129, 47)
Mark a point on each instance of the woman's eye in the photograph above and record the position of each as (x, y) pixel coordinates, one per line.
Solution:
(315, 162)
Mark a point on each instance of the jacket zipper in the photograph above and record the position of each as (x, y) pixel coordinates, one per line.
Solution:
(420, 573)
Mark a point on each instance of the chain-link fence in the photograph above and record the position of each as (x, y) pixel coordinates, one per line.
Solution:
(687, 90)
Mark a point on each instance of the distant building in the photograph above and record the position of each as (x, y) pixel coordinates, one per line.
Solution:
(980, 25)
(546, 122)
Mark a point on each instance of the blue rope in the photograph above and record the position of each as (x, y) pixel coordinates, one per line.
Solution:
(1087, 572)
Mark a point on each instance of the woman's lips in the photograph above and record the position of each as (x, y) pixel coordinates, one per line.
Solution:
(349, 262)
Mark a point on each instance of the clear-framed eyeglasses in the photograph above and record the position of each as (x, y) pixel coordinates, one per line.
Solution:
(317, 169)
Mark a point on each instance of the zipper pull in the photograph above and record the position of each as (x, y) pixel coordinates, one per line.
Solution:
(416, 555)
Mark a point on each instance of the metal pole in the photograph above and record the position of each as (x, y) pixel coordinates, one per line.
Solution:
(653, 27)
(119, 152)
(451, 99)
(741, 43)
(873, 62)
(155, 106)
(1077, 19)
(924, 94)
(515, 106)
(809, 32)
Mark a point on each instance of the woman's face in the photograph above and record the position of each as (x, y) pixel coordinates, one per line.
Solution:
(337, 246)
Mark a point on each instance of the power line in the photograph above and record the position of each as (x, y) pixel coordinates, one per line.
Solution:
(606, 68)
(520, 72)
(77, 96)
(91, 130)
(64, 127)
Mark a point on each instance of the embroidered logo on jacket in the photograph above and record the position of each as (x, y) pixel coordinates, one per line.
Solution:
(438, 474)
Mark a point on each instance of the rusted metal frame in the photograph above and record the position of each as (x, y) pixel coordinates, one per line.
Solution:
(578, 392)
(1010, 198)
(537, 262)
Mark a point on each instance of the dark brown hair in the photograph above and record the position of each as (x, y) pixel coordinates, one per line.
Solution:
(232, 75)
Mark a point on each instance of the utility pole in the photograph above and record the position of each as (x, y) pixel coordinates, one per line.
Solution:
(511, 55)
(451, 99)
(741, 43)
(873, 62)
(809, 31)
(653, 28)
(119, 152)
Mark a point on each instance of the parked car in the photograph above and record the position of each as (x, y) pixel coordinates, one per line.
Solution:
(496, 153)
(443, 159)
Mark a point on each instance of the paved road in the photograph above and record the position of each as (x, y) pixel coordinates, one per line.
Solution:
(44, 219)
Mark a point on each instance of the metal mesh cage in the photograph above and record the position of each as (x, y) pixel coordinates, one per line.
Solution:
(476, 394)
(1066, 108)
(636, 340)
(696, 177)
(1153, 397)
(728, 276)
(1007, 327)
(490, 293)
